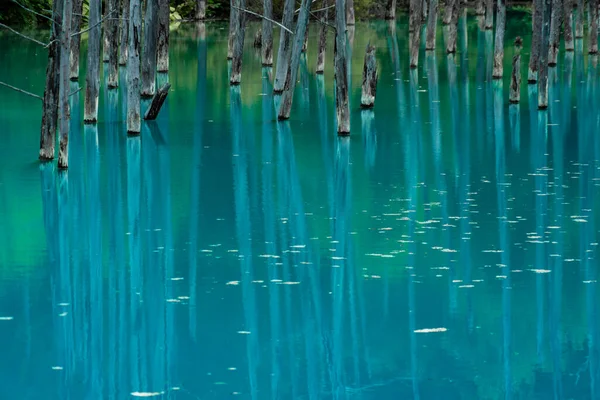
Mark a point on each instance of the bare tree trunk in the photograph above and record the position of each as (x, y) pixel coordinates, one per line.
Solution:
(557, 13)
(124, 32)
(133, 68)
(149, 54)
(162, 63)
(287, 97)
(390, 13)
(543, 64)
(593, 29)
(452, 29)
(200, 10)
(416, 8)
(238, 45)
(568, 25)
(92, 78)
(233, 17)
(258, 39)
(515, 81)
(322, 40)
(369, 84)
(342, 105)
(479, 7)
(536, 42)
(76, 40)
(499, 40)
(112, 33)
(448, 11)
(267, 34)
(579, 19)
(284, 46)
(104, 7)
(50, 102)
(431, 25)
(305, 42)
(63, 105)
(350, 12)
(425, 13)
(489, 14)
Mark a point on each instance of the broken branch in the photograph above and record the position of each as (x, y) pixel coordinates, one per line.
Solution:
(34, 12)
(23, 36)
(263, 17)
(21, 90)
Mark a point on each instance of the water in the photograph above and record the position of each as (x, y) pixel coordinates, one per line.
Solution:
(447, 249)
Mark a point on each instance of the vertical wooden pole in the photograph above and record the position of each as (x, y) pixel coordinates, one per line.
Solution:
(112, 34)
(499, 40)
(162, 61)
(305, 42)
(369, 84)
(515, 81)
(63, 105)
(149, 54)
(431, 25)
(124, 34)
(76, 40)
(133, 68)
(284, 46)
(267, 34)
(342, 107)
(92, 79)
(555, 23)
(238, 45)
(322, 40)
(543, 63)
(536, 42)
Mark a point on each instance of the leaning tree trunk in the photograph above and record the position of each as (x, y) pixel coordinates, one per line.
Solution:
(133, 68)
(267, 34)
(390, 13)
(124, 32)
(543, 64)
(579, 19)
(322, 40)
(416, 11)
(63, 104)
(350, 20)
(162, 62)
(112, 32)
(499, 40)
(593, 29)
(515, 81)
(200, 10)
(489, 14)
(233, 17)
(431, 25)
(568, 25)
(342, 105)
(536, 42)
(50, 101)
(557, 11)
(92, 78)
(149, 54)
(448, 11)
(284, 45)
(238, 45)
(75, 40)
(369, 84)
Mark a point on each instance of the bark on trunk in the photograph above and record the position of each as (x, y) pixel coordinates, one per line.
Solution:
(124, 34)
(133, 68)
(499, 40)
(479, 7)
(536, 42)
(322, 40)
(112, 33)
(489, 14)
(452, 29)
(448, 11)
(515, 81)
(425, 13)
(157, 102)
(543, 64)
(287, 97)
(350, 12)
(416, 8)
(75, 40)
(557, 11)
(200, 10)
(50, 102)
(267, 34)
(369, 84)
(342, 105)
(593, 29)
(568, 25)
(258, 39)
(238, 45)
(431, 25)
(390, 13)
(305, 43)
(579, 19)
(104, 7)
(284, 46)
(162, 62)
(233, 17)
(149, 53)
(92, 78)
(63, 105)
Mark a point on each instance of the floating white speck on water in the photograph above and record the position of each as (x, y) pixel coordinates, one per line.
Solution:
(244, 332)
(541, 271)
(177, 279)
(431, 330)
(146, 394)
(466, 286)
(6, 318)
(57, 368)
(233, 283)
(63, 314)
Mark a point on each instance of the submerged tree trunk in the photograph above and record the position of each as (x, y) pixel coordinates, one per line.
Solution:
(369, 84)
(124, 32)
(133, 68)
(149, 53)
(579, 19)
(238, 45)
(63, 105)
(536, 42)
(112, 33)
(322, 40)
(593, 29)
(431, 25)
(568, 25)
(489, 14)
(200, 10)
(92, 78)
(416, 8)
(162, 62)
(342, 105)
(557, 11)
(543, 64)
(50, 101)
(267, 34)
(515, 81)
(291, 76)
(233, 17)
(499, 40)
(350, 20)
(390, 13)
(452, 29)
(75, 40)
(284, 46)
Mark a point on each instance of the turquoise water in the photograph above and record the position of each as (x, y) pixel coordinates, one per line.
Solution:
(445, 250)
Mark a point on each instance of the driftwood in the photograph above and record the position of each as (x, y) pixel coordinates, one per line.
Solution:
(157, 102)
(267, 34)
(431, 25)
(112, 31)
(75, 40)
(133, 68)
(63, 103)
(200, 10)
(369, 84)
(284, 46)
(239, 31)
(162, 57)
(555, 23)
(536, 40)
(124, 32)
(322, 40)
(499, 40)
(148, 87)
(342, 103)
(543, 65)
(515, 80)
(568, 25)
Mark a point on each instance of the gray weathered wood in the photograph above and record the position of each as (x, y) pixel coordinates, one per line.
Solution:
(416, 12)
(112, 34)
(233, 17)
(124, 32)
(257, 39)
(342, 102)
(148, 87)
(568, 25)
(425, 11)
(162, 58)
(448, 11)
(64, 90)
(498, 70)
(350, 19)
(133, 68)
(92, 78)
(515, 80)
(536, 42)
(543, 63)
(390, 12)
(267, 34)
(239, 32)
(157, 102)
(489, 14)
(579, 19)
(284, 47)
(200, 10)
(76, 39)
(479, 7)
(431, 25)
(106, 9)
(369, 83)
(322, 40)
(555, 23)
(452, 29)
(593, 27)
(305, 42)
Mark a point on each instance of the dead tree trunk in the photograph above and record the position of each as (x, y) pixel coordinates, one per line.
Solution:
(233, 17)
(350, 20)
(104, 7)
(489, 14)
(50, 102)
(92, 78)
(448, 11)
(257, 39)
(157, 102)
(149, 54)
(515, 81)
(499, 40)
(124, 32)
(322, 40)
(342, 105)
(305, 43)
(390, 13)
(452, 29)
(238, 45)
(431, 25)
(593, 28)
(200, 10)
(425, 13)
(536, 42)
(63, 105)
(369, 84)
(579, 19)
(416, 9)
(287, 97)
(555, 22)
(76, 40)
(133, 68)
(284, 46)
(267, 34)
(112, 33)
(543, 64)
(479, 7)
(568, 25)
(162, 62)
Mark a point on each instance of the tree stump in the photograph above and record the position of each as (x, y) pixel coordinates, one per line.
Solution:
(369, 84)
(515, 80)
(568, 25)
(593, 27)
(92, 78)
(390, 12)
(112, 34)
(64, 89)
(579, 19)
(342, 104)
(200, 12)
(489, 14)
(543, 66)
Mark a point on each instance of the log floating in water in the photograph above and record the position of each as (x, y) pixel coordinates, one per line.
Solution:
(369, 85)
(157, 102)
(515, 81)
